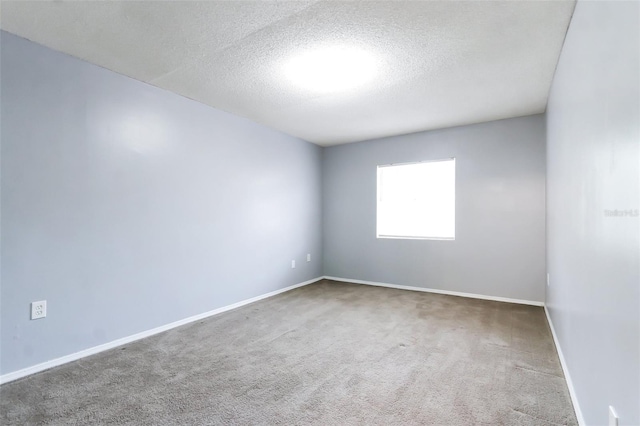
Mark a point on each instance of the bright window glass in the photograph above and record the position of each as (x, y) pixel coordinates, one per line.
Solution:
(417, 200)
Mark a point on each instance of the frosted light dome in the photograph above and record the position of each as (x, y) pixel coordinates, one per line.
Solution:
(332, 69)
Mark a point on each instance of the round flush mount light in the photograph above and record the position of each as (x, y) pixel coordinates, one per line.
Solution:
(332, 69)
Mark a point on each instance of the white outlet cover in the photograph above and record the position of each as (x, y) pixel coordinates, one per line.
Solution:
(293, 264)
(613, 417)
(38, 309)
(308, 257)
(547, 280)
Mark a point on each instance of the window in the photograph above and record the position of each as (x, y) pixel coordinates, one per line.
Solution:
(417, 200)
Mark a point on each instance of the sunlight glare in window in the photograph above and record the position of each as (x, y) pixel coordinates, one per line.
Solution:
(417, 200)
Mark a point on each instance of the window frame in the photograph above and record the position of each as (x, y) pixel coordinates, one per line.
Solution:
(399, 237)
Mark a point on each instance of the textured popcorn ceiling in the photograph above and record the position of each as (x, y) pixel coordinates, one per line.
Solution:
(440, 63)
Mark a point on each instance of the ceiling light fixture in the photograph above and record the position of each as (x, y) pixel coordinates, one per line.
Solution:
(332, 69)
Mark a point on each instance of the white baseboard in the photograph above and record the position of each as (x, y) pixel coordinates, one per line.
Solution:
(565, 370)
(118, 342)
(433, 290)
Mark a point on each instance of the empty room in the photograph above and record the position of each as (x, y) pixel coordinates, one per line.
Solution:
(320, 212)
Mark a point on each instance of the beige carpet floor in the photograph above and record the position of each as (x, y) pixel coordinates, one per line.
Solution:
(325, 354)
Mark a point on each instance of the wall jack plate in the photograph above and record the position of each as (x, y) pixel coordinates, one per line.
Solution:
(38, 309)
(613, 417)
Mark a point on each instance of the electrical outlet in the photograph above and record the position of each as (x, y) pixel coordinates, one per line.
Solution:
(293, 264)
(309, 257)
(38, 309)
(547, 279)
(613, 417)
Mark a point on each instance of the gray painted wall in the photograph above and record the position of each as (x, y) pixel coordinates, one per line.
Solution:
(127, 207)
(593, 158)
(500, 221)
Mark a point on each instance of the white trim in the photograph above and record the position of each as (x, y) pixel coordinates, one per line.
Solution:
(118, 342)
(400, 237)
(416, 162)
(433, 290)
(565, 370)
